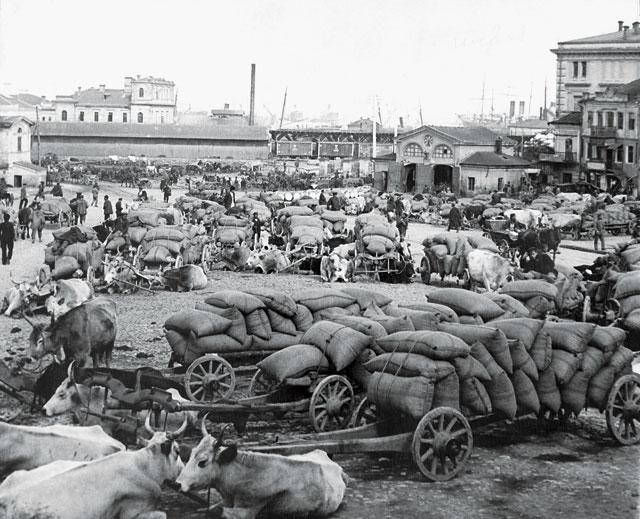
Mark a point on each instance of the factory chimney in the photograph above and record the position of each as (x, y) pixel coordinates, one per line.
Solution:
(620, 25)
(401, 122)
(252, 99)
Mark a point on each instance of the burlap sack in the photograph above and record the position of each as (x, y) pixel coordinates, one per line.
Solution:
(444, 313)
(275, 300)
(525, 289)
(340, 343)
(564, 365)
(412, 396)
(293, 362)
(599, 387)
(244, 302)
(316, 299)
(277, 341)
(592, 361)
(548, 391)
(446, 392)
(474, 398)
(238, 328)
(470, 367)
(303, 318)
(523, 329)
(621, 359)
(280, 323)
(258, 324)
(570, 336)
(410, 365)
(364, 297)
(526, 396)
(522, 360)
(607, 338)
(540, 306)
(421, 320)
(502, 394)
(199, 322)
(464, 302)
(394, 324)
(65, 267)
(541, 352)
(509, 304)
(435, 345)
(574, 393)
(361, 324)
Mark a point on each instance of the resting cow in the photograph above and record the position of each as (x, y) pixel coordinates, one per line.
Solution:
(125, 485)
(185, 278)
(271, 261)
(489, 268)
(307, 484)
(68, 294)
(334, 268)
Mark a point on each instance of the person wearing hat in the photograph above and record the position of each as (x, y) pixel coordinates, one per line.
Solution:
(455, 218)
(334, 203)
(107, 208)
(256, 226)
(57, 190)
(81, 208)
(7, 237)
(118, 207)
(598, 229)
(322, 200)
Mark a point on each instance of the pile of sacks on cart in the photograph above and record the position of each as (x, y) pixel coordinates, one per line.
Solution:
(473, 352)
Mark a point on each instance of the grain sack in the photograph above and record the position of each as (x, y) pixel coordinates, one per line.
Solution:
(508, 304)
(258, 324)
(574, 393)
(316, 299)
(199, 322)
(353, 309)
(340, 343)
(164, 233)
(384, 230)
(502, 395)
(548, 391)
(137, 234)
(420, 320)
(305, 221)
(377, 244)
(482, 355)
(411, 396)
(628, 285)
(493, 339)
(221, 343)
(632, 321)
(307, 235)
(361, 324)
(621, 359)
(542, 351)
(364, 297)
(333, 216)
(294, 362)
(592, 361)
(444, 313)
(394, 324)
(435, 345)
(470, 367)
(629, 304)
(607, 338)
(480, 242)
(275, 300)
(470, 319)
(328, 313)
(65, 267)
(570, 336)
(230, 235)
(280, 323)
(564, 365)
(449, 239)
(303, 319)
(277, 341)
(246, 303)
(464, 302)
(599, 387)
(440, 251)
(524, 329)
(174, 247)
(410, 365)
(526, 396)
(446, 392)
(238, 328)
(522, 360)
(177, 342)
(526, 289)
(474, 397)
(373, 310)
(539, 307)
(114, 244)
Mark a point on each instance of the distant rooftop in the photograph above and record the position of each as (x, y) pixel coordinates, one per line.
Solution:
(574, 118)
(477, 135)
(490, 158)
(630, 35)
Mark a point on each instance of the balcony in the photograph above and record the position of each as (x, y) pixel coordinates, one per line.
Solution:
(604, 165)
(565, 156)
(600, 132)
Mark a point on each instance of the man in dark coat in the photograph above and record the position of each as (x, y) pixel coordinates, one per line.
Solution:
(322, 200)
(455, 218)
(7, 237)
(118, 207)
(107, 208)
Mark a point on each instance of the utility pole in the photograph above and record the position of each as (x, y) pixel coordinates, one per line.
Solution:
(374, 136)
(530, 97)
(544, 108)
(284, 102)
(482, 104)
(38, 135)
(421, 121)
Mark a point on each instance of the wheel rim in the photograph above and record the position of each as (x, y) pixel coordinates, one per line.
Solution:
(623, 410)
(442, 443)
(209, 378)
(331, 405)
(365, 413)
(261, 384)
(425, 271)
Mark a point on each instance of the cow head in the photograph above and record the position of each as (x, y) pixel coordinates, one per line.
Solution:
(254, 261)
(206, 461)
(68, 396)
(166, 455)
(40, 341)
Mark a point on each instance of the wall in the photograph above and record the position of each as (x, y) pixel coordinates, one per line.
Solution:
(9, 143)
(103, 113)
(487, 178)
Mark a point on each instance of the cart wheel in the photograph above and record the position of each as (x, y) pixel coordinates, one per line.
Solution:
(576, 234)
(331, 404)
(466, 279)
(261, 384)
(503, 247)
(209, 378)
(364, 414)
(442, 443)
(623, 410)
(205, 258)
(179, 261)
(425, 270)
(91, 276)
(615, 231)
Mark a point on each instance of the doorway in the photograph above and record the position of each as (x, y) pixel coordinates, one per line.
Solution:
(442, 176)
(410, 183)
(17, 180)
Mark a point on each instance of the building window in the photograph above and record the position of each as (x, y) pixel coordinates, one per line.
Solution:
(600, 120)
(156, 94)
(584, 69)
(589, 118)
(141, 92)
(110, 117)
(140, 117)
(632, 121)
(64, 115)
(44, 118)
(620, 121)
(96, 116)
(575, 69)
(620, 154)
(162, 119)
(413, 150)
(19, 139)
(124, 117)
(471, 183)
(81, 116)
(442, 151)
(610, 123)
(630, 155)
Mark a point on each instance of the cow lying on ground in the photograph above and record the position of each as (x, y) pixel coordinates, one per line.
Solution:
(185, 278)
(24, 447)
(489, 268)
(125, 485)
(334, 268)
(307, 484)
(267, 262)
(16, 297)
(68, 294)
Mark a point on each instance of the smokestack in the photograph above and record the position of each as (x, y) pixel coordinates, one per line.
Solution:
(252, 100)
(541, 116)
(226, 106)
(521, 109)
(620, 24)
(401, 122)
(636, 27)
(512, 109)
(625, 31)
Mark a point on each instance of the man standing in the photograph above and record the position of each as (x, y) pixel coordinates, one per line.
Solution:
(455, 218)
(598, 229)
(167, 192)
(94, 193)
(57, 190)
(24, 202)
(322, 200)
(257, 228)
(7, 237)
(37, 222)
(107, 208)
(334, 203)
(119, 207)
(81, 208)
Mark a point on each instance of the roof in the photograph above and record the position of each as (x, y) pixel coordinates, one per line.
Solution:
(227, 112)
(29, 165)
(8, 122)
(574, 118)
(490, 158)
(388, 156)
(611, 37)
(530, 123)
(477, 135)
(632, 88)
(98, 97)
(151, 131)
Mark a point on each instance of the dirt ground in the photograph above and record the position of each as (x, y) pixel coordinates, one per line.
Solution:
(523, 469)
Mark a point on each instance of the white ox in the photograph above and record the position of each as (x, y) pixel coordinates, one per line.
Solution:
(16, 296)
(488, 268)
(303, 485)
(68, 294)
(334, 268)
(125, 485)
(267, 262)
(25, 447)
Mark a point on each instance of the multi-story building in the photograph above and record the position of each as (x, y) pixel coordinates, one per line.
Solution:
(15, 152)
(588, 66)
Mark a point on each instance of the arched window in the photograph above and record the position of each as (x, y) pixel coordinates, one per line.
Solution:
(19, 139)
(64, 115)
(141, 92)
(442, 151)
(140, 117)
(413, 150)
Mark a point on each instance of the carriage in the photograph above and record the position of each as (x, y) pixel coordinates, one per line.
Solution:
(496, 229)
(57, 211)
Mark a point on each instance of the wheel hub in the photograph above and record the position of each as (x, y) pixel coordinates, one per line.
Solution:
(333, 407)
(631, 412)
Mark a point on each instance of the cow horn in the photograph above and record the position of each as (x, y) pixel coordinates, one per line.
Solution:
(220, 438)
(71, 371)
(172, 435)
(147, 425)
(203, 426)
(11, 278)
(24, 316)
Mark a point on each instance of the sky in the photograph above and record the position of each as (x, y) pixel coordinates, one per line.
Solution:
(342, 54)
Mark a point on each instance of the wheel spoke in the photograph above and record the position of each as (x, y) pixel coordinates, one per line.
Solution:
(341, 392)
(426, 455)
(426, 441)
(320, 405)
(198, 391)
(441, 422)
(453, 421)
(323, 422)
(321, 413)
(201, 368)
(457, 434)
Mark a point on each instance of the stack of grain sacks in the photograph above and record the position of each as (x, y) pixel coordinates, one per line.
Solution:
(72, 251)
(161, 245)
(249, 206)
(614, 214)
(305, 231)
(374, 234)
(333, 220)
(232, 231)
(628, 295)
(537, 295)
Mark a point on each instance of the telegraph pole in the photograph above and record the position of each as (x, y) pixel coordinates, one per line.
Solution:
(38, 135)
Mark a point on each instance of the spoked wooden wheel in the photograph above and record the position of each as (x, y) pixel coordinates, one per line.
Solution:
(205, 258)
(209, 378)
(364, 414)
(425, 270)
(91, 275)
(331, 405)
(503, 247)
(261, 384)
(623, 410)
(442, 443)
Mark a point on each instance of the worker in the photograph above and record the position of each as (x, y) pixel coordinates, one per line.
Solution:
(7, 237)
(455, 218)
(57, 190)
(598, 229)
(256, 226)
(322, 199)
(107, 208)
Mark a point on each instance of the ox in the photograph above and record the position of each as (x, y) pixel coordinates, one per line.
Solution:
(307, 484)
(68, 294)
(89, 330)
(267, 262)
(17, 296)
(125, 485)
(334, 268)
(489, 268)
(25, 447)
(185, 278)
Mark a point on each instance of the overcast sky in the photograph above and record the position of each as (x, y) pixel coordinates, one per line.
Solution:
(338, 53)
